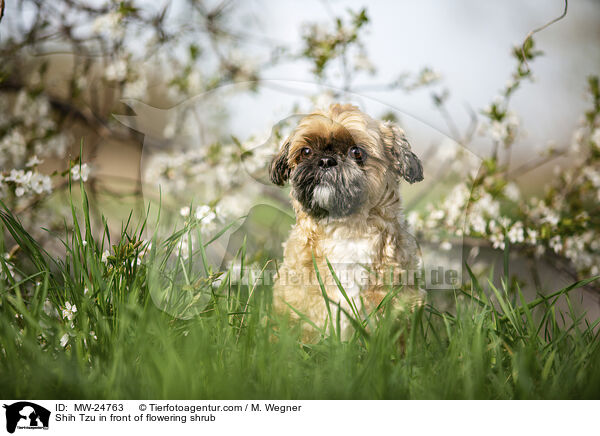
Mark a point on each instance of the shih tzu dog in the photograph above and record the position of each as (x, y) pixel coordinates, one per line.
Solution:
(344, 169)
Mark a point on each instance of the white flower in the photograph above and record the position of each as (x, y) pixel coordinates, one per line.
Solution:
(362, 62)
(184, 211)
(34, 112)
(324, 100)
(446, 151)
(511, 190)
(504, 222)
(41, 183)
(532, 236)
(454, 204)
(64, 340)
(194, 82)
(551, 218)
(498, 130)
(109, 24)
(183, 246)
(56, 145)
(575, 250)
(205, 214)
(428, 76)
(33, 161)
(136, 88)
(592, 175)
(26, 181)
(556, 243)
(516, 233)
(539, 250)
(446, 246)
(19, 176)
(497, 235)
(13, 147)
(81, 82)
(543, 213)
(497, 240)
(512, 120)
(478, 223)
(69, 311)
(170, 128)
(474, 252)
(82, 172)
(105, 255)
(502, 130)
(595, 137)
(116, 71)
(146, 248)
(433, 217)
(49, 309)
(577, 139)
(414, 220)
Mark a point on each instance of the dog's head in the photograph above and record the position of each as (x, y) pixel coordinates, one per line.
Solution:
(341, 161)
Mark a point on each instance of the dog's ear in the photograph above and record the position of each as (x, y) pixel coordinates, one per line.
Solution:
(406, 163)
(279, 170)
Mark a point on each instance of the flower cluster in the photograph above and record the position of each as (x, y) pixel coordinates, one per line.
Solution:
(27, 136)
(489, 205)
(27, 182)
(221, 176)
(323, 45)
(80, 172)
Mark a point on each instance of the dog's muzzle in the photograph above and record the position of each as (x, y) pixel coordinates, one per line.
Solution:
(329, 189)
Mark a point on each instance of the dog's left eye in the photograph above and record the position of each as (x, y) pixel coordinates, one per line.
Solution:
(356, 153)
(306, 151)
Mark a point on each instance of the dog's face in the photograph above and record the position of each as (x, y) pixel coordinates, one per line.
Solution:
(341, 161)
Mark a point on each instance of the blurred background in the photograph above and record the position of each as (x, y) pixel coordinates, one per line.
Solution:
(183, 103)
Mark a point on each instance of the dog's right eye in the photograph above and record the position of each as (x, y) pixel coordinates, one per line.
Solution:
(356, 153)
(306, 151)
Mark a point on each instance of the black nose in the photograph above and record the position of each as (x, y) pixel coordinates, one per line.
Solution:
(327, 162)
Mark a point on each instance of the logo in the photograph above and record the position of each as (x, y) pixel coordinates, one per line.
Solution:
(26, 415)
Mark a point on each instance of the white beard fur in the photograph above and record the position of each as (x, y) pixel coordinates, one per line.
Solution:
(322, 196)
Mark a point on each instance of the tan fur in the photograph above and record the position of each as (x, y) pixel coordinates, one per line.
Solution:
(378, 228)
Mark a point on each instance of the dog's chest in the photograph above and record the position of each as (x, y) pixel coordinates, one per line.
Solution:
(348, 250)
(349, 257)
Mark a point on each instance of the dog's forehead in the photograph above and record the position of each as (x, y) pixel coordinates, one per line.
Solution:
(318, 132)
(333, 138)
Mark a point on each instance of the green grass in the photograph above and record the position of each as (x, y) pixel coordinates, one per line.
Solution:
(225, 342)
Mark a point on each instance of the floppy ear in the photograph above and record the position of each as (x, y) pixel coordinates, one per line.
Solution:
(279, 170)
(406, 163)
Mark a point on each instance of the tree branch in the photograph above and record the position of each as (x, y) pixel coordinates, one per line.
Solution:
(85, 115)
(539, 29)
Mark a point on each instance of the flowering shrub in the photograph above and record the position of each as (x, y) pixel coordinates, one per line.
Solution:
(563, 221)
(49, 102)
(27, 133)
